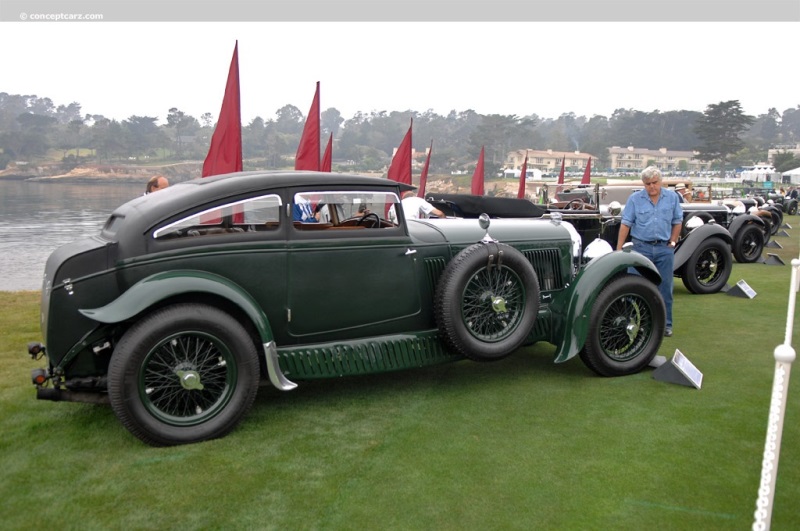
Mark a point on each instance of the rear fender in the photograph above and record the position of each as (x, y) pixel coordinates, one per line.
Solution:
(694, 239)
(161, 286)
(571, 311)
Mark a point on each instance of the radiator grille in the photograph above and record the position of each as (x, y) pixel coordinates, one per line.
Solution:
(547, 264)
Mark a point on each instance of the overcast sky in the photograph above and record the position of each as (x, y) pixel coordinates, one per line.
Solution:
(120, 69)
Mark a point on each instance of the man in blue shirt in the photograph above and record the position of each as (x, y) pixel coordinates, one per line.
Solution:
(653, 218)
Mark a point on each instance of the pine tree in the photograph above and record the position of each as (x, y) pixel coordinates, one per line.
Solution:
(719, 131)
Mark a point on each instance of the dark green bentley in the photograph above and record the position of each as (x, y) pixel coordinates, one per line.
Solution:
(188, 297)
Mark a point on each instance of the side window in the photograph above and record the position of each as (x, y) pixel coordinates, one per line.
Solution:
(254, 214)
(351, 210)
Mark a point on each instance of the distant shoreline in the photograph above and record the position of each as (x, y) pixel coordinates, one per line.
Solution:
(106, 173)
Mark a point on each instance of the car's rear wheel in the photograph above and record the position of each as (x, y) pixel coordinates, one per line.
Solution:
(708, 268)
(183, 374)
(791, 208)
(748, 244)
(487, 301)
(626, 327)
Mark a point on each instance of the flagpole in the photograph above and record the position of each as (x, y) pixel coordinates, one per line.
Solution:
(784, 356)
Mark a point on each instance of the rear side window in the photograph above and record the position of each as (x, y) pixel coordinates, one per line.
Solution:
(254, 214)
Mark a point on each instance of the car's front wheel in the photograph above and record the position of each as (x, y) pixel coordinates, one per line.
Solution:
(183, 374)
(708, 268)
(626, 327)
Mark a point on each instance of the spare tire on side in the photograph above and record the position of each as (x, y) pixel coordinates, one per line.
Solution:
(487, 301)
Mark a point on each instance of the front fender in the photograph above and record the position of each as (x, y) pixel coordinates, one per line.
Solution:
(694, 239)
(571, 311)
(742, 220)
(161, 286)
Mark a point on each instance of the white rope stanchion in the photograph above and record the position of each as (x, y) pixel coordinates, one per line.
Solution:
(784, 356)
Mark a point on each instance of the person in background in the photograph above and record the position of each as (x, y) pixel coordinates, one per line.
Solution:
(303, 212)
(684, 193)
(415, 208)
(653, 218)
(156, 183)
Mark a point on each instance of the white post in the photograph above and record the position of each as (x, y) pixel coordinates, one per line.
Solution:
(784, 356)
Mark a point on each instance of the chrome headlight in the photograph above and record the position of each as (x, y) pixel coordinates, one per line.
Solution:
(695, 222)
(577, 245)
(598, 247)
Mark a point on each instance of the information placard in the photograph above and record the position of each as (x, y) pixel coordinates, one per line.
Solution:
(687, 368)
(679, 370)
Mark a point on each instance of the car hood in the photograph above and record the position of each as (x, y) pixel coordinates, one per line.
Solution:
(466, 231)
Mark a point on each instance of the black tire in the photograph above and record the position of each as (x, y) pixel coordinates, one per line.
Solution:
(709, 267)
(777, 220)
(791, 208)
(626, 327)
(483, 311)
(705, 216)
(766, 229)
(183, 374)
(748, 244)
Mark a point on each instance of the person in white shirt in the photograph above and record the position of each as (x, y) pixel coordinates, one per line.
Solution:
(415, 208)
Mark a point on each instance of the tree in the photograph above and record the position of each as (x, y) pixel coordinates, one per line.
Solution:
(719, 131)
(785, 161)
(330, 121)
(142, 134)
(183, 125)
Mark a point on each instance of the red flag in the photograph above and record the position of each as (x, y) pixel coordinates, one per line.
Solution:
(561, 174)
(423, 179)
(522, 175)
(225, 153)
(477, 177)
(307, 157)
(588, 172)
(400, 167)
(327, 158)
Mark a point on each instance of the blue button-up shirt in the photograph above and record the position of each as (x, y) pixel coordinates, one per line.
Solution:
(650, 221)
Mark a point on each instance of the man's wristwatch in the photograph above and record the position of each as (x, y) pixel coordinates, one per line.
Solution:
(672, 243)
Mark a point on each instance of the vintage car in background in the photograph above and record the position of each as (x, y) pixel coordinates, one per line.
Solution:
(703, 259)
(190, 296)
(750, 232)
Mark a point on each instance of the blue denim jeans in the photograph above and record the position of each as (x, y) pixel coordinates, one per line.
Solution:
(663, 257)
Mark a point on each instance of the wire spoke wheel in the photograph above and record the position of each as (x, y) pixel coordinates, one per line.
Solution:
(187, 378)
(708, 270)
(182, 374)
(625, 327)
(487, 301)
(494, 301)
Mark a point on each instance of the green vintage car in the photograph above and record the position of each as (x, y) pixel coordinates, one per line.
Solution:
(189, 297)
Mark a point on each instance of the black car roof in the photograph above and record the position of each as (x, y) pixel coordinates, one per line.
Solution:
(142, 213)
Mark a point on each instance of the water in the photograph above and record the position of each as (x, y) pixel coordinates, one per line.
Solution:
(36, 218)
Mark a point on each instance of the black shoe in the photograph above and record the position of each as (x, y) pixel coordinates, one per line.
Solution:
(668, 332)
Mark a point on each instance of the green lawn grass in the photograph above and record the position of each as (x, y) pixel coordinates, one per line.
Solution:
(518, 444)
